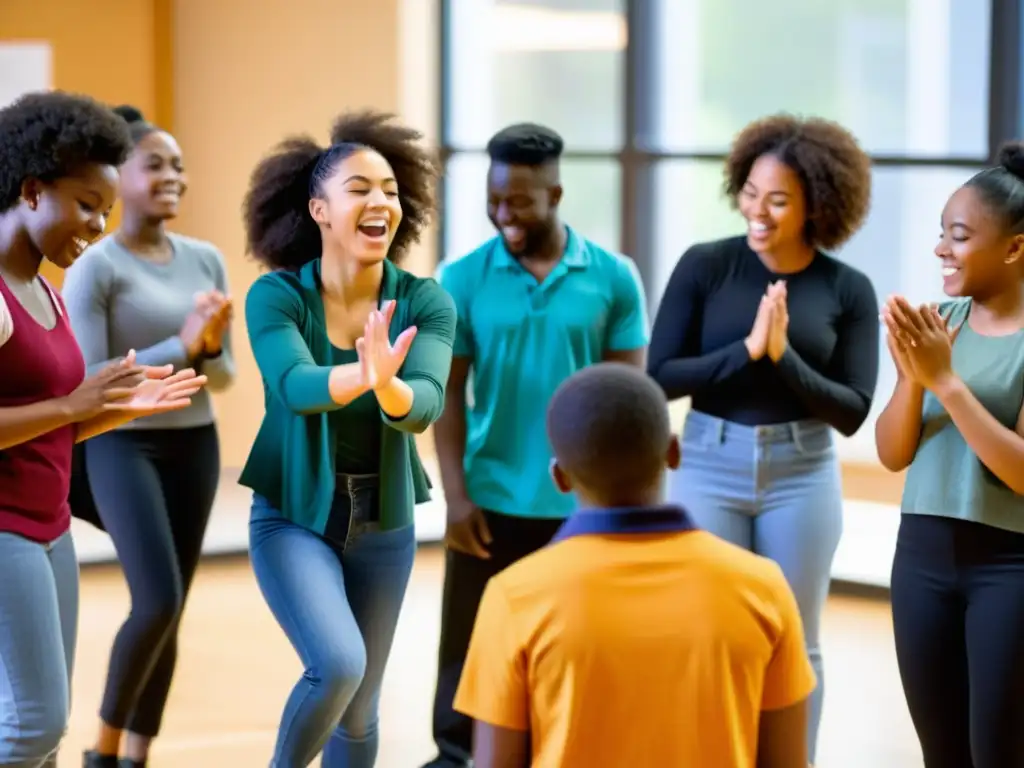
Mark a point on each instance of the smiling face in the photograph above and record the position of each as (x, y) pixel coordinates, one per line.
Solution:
(153, 178)
(774, 204)
(979, 257)
(65, 216)
(359, 210)
(521, 204)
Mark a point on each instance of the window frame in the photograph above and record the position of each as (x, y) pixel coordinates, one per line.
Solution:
(638, 164)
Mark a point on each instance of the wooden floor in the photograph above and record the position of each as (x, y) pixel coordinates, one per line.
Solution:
(236, 669)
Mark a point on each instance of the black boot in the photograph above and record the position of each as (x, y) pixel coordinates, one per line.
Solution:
(126, 762)
(93, 759)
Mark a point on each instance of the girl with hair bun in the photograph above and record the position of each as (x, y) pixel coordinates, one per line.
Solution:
(354, 353)
(152, 482)
(956, 422)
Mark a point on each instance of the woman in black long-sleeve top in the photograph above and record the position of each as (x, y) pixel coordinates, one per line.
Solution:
(776, 343)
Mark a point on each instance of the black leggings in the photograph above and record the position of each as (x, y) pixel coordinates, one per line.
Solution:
(154, 490)
(958, 615)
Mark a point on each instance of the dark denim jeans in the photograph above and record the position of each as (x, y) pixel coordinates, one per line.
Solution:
(338, 600)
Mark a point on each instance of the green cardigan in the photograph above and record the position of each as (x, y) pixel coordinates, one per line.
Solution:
(291, 464)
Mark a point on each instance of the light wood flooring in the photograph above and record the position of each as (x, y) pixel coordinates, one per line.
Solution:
(236, 669)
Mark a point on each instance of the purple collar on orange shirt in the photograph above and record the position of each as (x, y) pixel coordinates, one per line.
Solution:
(664, 519)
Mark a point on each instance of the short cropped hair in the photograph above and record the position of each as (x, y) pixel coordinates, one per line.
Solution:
(834, 171)
(49, 135)
(609, 428)
(525, 144)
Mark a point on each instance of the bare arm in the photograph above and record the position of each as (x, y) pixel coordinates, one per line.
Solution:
(782, 737)
(450, 431)
(395, 399)
(636, 357)
(898, 429)
(496, 747)
(21, 423)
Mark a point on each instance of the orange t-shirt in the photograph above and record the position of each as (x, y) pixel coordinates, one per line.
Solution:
(636, 649)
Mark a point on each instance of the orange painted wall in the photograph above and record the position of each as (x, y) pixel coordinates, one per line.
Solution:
(114, 50)
(230, 78)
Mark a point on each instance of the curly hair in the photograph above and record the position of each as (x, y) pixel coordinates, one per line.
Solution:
(49, 135)
(281, 234)
(834, 171)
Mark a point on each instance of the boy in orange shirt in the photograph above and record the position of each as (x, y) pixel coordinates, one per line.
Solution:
(633, 640)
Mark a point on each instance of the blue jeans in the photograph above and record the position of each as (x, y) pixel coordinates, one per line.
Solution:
(774, 490)
(339, 605)
(38, 631)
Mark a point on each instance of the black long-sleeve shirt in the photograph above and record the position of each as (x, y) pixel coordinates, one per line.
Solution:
(830, 367)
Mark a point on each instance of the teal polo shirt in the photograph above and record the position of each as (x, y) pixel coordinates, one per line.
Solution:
(523, 339)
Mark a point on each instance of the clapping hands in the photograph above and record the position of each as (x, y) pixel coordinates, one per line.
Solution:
(920, 341)
(203, 330)
(141, 390)
(379, 359)
(769, 335)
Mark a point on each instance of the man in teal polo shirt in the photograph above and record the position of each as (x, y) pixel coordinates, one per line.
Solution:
(535, 304)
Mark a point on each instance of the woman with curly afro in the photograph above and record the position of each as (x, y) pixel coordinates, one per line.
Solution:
(354, 354)
(956, 424)
(776, 342)
(59, 159)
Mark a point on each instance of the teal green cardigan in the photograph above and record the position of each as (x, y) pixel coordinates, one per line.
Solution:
(291, 464)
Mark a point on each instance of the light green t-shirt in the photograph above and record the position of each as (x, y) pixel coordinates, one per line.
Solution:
(947, 478)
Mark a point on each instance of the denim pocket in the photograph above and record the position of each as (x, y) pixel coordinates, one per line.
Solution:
(813, 442)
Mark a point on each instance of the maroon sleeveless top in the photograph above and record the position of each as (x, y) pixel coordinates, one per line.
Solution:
(37, 365)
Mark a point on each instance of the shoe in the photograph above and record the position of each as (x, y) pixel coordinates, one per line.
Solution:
(127, 762)
(92, 759)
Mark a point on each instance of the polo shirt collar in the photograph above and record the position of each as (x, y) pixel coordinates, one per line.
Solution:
(668, 518)
(574, 256)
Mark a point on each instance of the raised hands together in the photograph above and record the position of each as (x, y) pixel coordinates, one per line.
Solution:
(135, 390)
(769, 335)
(920, 342)
(203, 331)
(379, 359)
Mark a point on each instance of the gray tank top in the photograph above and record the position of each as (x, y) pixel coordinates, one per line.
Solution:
(946, 477)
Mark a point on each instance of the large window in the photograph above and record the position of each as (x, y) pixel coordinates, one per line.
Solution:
(649, 94)
(558, 62)
(909, 77)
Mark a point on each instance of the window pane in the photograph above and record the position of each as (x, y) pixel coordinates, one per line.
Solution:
(689, 208)
(556, 62)
(895, 248)
(590, 203)
(909, 77)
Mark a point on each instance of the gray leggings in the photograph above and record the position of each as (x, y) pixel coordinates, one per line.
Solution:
(776, 491)
(38, 631)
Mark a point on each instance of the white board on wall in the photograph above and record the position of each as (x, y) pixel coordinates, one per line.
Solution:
(24, 67)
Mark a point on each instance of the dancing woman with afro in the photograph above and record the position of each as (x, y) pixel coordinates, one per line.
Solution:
(354, 353)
